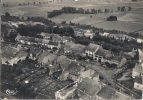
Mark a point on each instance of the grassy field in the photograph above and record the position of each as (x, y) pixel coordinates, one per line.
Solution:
(127, 21)
(42, 9)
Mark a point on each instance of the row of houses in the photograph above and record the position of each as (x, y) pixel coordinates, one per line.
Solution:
(89, 33)
(137, 76)
(90, 87)
(13, 56)
(86, 33)
(92, 51)
(37, 41)
(137, 72)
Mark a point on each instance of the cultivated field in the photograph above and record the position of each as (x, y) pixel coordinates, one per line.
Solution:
(127, 21)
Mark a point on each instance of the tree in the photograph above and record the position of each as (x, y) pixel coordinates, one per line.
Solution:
(19, 4)
(34, 3)
(112, 18)
(22, 18)
(123, 8)
(93, 11)
(63, 22)
(99, 11)
(119, 8)
(39, 2)
(7, 14)
(111, 10)
(3, 4)
(129, 8)
(87, 11)
(106, 10)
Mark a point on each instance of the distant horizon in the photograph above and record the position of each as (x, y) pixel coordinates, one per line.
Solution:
(5, 1)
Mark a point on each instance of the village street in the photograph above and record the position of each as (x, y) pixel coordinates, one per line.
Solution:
(106, 73)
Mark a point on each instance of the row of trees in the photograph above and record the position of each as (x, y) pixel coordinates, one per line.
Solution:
(110, 43)
(64, 31)
(124, 8)
(33, 3)
(20, 4)
(32, 31)
(82, 40)
(54, 13)
(85, 11)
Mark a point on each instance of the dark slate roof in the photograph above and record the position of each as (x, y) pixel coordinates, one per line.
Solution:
(63, 61)
(100, 52)
(89, 86)
(138, 79)
(106, 93)
(92, 47)
(74, 69)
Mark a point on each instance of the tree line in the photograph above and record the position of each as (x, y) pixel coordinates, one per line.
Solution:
(28, 3)
(85, 11)
(109, 43)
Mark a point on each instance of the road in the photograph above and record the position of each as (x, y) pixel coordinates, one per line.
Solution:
(6, 96)
(106, 73)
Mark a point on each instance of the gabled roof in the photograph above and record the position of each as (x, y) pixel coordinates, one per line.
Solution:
(130, 54)
(53, 43)
(74, 68)
(140, 54)
(123, 62)
(49, 58)
(138, 67)
(55, 68)
(21, 54)
(92, 47)
(18, 37)
(122, 96)
(63, 61)
(100, 52)
(37, 40)
(106, 93)
(8, 54)
(105, 34)
(89, 86)
(88, 73)
(74, 47)
(138, 79)
(45, 41)
(43, 55)
(35, 50)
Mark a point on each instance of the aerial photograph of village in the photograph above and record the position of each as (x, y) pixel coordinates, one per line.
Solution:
(71, 49)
